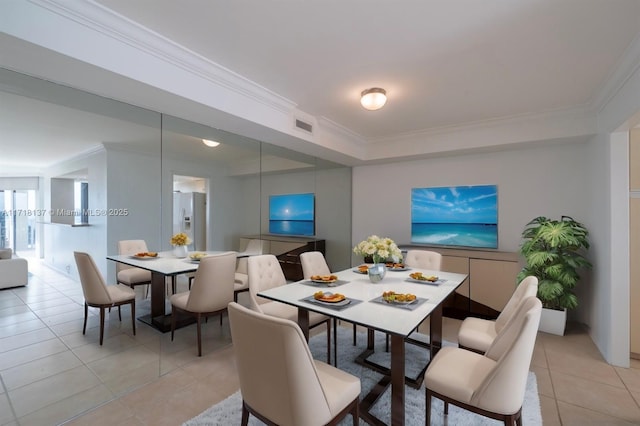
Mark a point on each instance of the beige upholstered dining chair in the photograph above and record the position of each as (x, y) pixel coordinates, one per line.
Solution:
(212, 290)
(477, 334)
(255, 247)
(493, 384)
(280, 382)
(265, 272)
(130, 275)
(423, 259)
(99, 295)
(314, 263)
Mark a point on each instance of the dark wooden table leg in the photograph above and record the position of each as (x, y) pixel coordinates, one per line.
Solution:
(435, 330)
(303, 322)
(157, 295)
(397, 380)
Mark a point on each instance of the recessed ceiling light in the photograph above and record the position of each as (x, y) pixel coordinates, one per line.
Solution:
(212, 144)
(373, 99)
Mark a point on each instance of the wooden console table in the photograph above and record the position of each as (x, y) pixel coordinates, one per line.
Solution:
(288, 250)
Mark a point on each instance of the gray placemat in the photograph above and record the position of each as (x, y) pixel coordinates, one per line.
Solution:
(335, 307)
(322, 285)
(410, 307)
(437, 282)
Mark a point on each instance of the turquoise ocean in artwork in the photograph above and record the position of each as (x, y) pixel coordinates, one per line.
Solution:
(456, 234)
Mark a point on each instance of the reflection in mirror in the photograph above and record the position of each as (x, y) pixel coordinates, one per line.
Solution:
(64, 150)
(130, 159)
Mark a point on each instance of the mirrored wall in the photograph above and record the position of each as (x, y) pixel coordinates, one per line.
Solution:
(136, 174)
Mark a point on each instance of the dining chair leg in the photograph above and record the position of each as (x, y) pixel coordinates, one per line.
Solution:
(335, 342)
(355, 415)
(220, 318)
(245, 415)
(173, 321)
(427, 417)
(199, 337)
(133, 316)
(101, 324)
(86, 314)
(119, 314)
(329, 341)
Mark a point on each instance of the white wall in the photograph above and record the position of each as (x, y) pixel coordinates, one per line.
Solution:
(332, 189)
(60, 241)
(133, 183)
(545, 181)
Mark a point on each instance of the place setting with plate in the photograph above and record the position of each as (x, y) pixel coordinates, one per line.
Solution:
(146, 255)
(362, 269)
(420, 278)
(330, 280)
(330, 300)
(195, 257)
(400, 300)
(397, 267)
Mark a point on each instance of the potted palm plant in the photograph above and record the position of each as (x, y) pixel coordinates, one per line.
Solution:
(554, 253)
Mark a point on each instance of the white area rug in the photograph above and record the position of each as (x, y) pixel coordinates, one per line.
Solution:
(229, 411)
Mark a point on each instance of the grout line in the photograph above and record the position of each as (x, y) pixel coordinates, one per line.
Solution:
(553, 388)
(6, 392)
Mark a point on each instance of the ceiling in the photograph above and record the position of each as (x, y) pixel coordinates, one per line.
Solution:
(444, 63)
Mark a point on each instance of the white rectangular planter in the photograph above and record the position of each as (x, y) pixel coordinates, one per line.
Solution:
(552, 321)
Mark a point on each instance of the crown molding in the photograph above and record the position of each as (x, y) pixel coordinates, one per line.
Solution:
(105, 21)
(624, 69)
(584, 111)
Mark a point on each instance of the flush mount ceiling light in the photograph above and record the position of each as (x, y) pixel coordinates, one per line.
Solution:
(373, 99)
(212, 144)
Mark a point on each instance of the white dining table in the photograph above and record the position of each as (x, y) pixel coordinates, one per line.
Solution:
(365, 310)
(163, 266)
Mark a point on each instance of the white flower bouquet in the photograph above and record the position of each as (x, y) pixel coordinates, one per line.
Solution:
(380, 249)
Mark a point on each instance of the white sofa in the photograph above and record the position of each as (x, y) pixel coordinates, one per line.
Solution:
(14, 271)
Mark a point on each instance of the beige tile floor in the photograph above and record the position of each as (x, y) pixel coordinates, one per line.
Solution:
(52, 374)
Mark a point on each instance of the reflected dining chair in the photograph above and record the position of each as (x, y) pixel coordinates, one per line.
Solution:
(492, 385)
(211, 292)
(477, 334)
(253, 247)
(265, 272)
(99, 295)
(130, 275)
(280, 382)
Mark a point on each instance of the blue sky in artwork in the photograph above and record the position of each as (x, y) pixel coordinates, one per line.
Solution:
(455, 204)
(291, 207)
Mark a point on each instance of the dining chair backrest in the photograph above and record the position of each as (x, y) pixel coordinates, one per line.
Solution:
(280, 382)
(129, 247)
(528, 287)
(264, 273)
(503, 389)
(93, 286)
(423, 259)
(253, 246)
(212, 287)
(313, 263)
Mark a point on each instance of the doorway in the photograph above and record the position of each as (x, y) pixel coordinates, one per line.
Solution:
(190, 209)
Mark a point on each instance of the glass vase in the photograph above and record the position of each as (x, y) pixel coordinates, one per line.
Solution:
(377, 272)
(180, 251)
